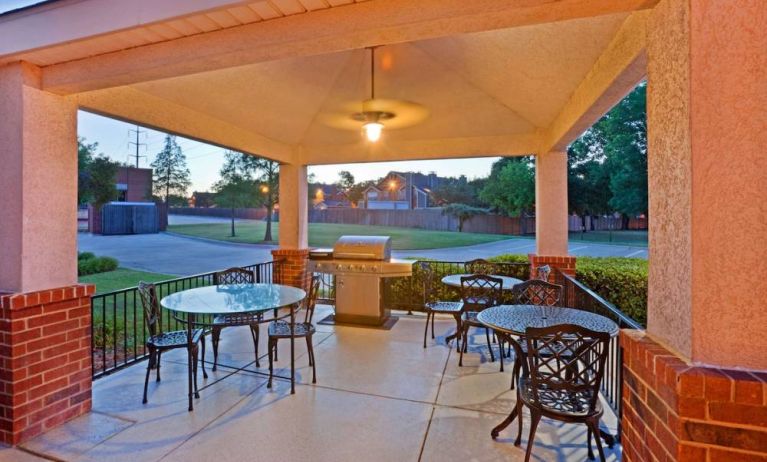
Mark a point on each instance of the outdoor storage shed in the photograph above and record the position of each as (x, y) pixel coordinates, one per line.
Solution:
(130, 218)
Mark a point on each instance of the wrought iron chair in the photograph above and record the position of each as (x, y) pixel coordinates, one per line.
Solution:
(235, 276)
(532, 292)
(542, 273)
(480, 266)
(433, 307)
(281, 329)
(159, 341)
(478, 292)
(563, 384)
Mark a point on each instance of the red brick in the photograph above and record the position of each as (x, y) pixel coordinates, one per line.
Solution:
(80, 312)
(693, 408)
(46, 319)
(738, 413)
(748, 389)
(691, 384)
(46, 342)
(730, 437)
(689, 453)
(724, 455)
(62, 394)
(61, 327)
(718, 386)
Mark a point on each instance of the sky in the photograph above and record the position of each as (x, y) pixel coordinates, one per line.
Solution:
(205, 160)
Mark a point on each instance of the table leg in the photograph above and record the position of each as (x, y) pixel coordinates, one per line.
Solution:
(189, 340)
(292, 349)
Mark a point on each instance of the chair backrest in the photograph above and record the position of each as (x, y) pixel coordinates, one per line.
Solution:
(148, 294)
(537, 292)
(479, 266)
(480, 291)
(542, 273)
(427, 275)
(234, 276)
(310, 302)
(566, 358)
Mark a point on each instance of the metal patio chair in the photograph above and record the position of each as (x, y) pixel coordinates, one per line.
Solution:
(159, 341)
(433, 307)
(280, 329)
(252, 320)
(478, 292)
(532, 292)
(563, 385)
(480, 266)
(542, 273)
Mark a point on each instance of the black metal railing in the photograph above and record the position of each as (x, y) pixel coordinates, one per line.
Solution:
(578, 295)
(118, 330)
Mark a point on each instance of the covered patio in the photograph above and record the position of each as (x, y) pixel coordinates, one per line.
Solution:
(496, 78)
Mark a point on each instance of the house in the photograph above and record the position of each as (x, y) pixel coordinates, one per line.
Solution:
(328, 196)
(401, 190)
(134, 184)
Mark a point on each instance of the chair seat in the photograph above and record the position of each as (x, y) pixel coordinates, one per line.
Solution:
(549, 350)
(560, 402)
(237, 319)
(282, 329)
(173, 339)
(445, 307)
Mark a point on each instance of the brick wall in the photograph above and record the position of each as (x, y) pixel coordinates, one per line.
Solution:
(292, 269)
(565, 264)
(45, 360)
(674, 411)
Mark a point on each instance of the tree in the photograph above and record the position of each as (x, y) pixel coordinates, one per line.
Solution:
(265, 175)
(456, 190)
(462, 212)
(171, 175)
(511, 186)
(345, 180)
(85, 154)
(235, 189)
(357, 192)
(102, 188)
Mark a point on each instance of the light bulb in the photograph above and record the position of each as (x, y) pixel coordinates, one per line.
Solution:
(373, 131)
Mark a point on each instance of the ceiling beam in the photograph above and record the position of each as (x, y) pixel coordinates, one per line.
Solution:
(375, 22)
(134, 106)
(622, 65)
(400, 150)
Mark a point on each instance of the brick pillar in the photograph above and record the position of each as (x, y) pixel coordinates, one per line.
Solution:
(292, 269)
(565, 264)
(675, 411)
(45, 355)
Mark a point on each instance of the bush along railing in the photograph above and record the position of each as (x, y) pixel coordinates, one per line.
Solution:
(578, 295)
(118, 328)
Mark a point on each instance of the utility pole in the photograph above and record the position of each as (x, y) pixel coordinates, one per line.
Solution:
(137, 144)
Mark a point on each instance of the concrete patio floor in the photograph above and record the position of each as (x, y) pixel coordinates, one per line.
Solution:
(380, 396)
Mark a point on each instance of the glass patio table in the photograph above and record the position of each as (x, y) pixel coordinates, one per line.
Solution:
(509, 320)
(187, 305)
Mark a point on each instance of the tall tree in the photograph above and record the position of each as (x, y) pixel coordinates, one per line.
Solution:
(462, 212)
(235, 189)
(456, 191)
(511, 186)
(265, 174)
(85, 154)
(102, 172)
(345, 180)
(171, 175)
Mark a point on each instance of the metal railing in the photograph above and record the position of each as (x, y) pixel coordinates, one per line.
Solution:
(118, 330)
(577, 295)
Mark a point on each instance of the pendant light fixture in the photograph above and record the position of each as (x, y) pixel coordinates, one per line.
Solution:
(373, 126)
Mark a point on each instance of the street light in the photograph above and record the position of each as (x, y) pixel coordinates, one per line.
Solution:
(264, 189)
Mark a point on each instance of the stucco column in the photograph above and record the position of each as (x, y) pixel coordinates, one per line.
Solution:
(38, 183)
(293, 234)
(551, 212)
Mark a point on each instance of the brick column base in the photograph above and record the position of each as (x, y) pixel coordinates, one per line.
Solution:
(293, 267)
(45, 358)
(565, 264)
(674, 411)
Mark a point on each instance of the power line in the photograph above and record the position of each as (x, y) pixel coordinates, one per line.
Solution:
(138, 144)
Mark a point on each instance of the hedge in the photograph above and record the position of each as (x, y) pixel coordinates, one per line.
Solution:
(87, 263)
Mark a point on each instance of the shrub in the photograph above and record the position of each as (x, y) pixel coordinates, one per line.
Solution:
(621, 281)
(85, 256)
(95, 265)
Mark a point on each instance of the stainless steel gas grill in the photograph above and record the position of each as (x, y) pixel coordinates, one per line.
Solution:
(359, 264)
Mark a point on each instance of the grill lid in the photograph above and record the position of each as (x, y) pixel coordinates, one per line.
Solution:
(363, 248)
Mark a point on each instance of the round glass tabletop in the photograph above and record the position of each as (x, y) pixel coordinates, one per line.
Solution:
(454, 280)
(515, 319)
(232, 298)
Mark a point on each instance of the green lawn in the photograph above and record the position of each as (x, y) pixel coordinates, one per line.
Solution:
(326, 234)
(121, 278)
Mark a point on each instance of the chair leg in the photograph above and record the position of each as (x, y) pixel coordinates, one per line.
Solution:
(215, 336)
(314, 360)
(426, 329)
(457, 332)
(157, 364)
(594, 425)
(432, 326)
(254, 334)
(489, 346)
(309, 349)
(464, 342)
(149, 366)
(202, 342)
(515, 373)
(500, 351)
(194, 370)
(270, 348)
(535, 417)
(518, 441)
(588, 441)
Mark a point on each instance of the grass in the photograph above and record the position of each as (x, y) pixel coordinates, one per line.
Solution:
(121, 278)
(326, 234)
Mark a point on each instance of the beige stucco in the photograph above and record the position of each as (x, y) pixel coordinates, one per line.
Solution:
(38, 199)
(551, 204)
(708, 187)
(294, 226)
